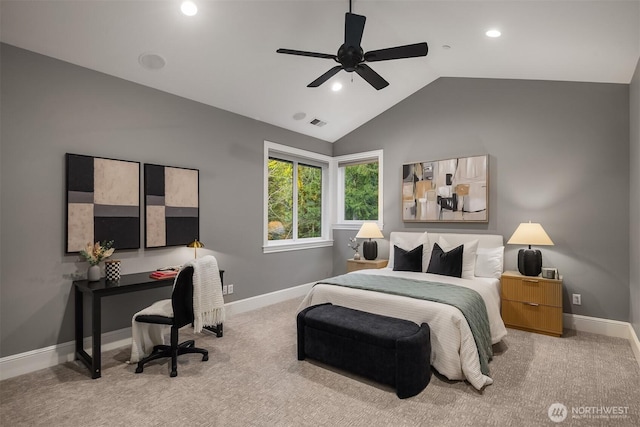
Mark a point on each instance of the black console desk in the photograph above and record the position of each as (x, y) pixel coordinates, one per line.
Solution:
(98, 290)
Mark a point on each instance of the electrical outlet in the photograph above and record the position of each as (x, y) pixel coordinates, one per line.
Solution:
(230, 288)
(224, 290)
(577, 299)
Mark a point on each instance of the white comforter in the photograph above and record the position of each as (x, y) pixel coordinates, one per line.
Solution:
(453, 349)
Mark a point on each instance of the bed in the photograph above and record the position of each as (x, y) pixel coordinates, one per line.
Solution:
(453, 348)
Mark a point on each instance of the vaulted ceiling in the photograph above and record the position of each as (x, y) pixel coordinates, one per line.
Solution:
(225, 55)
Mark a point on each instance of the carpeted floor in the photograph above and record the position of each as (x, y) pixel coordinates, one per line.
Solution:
(253, 378)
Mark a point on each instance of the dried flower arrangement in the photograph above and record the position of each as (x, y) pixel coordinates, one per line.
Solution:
(97, 252)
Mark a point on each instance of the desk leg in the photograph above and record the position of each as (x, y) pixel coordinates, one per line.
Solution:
(96, 326)
(215, 329)
(218, 330)
(81, 355)
(79, 322)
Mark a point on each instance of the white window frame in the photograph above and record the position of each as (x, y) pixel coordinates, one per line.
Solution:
(341, 222)
(272, 149)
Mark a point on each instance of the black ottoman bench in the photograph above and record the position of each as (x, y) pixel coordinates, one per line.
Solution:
(385, 349)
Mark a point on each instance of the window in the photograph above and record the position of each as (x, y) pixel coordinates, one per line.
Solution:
(296, 199)
(359, 189)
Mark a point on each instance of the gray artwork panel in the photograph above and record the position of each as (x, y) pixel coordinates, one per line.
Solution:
(116, 211)
(174, 212)
(154, 200)
(79, 197)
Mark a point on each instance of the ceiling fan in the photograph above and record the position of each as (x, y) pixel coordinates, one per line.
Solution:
(352, 58)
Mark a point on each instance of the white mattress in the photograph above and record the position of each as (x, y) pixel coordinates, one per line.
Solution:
(453, 349)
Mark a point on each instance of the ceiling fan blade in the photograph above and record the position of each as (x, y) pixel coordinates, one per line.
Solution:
(303, 53)
(353, 29)
(326, 76)
(373, 78)
(399, 52)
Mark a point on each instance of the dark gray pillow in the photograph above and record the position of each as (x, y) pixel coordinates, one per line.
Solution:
(446, 263)
(407, 260)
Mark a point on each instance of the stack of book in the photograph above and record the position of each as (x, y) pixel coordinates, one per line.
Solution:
(163, 274)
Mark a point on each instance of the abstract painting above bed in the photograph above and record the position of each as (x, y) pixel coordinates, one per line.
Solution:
(451, 190)
(454, 352)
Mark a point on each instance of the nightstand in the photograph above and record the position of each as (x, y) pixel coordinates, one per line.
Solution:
(365, 264)
(532, 303)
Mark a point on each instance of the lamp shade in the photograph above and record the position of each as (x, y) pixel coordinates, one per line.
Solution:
(529, 233)
(369, 230)
(530, 260)
(195, 245)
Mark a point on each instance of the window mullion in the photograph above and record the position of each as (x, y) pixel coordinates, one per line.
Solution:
(295, 201)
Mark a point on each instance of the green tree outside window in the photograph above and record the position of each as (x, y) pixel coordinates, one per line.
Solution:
(361, 192)
(281, 195)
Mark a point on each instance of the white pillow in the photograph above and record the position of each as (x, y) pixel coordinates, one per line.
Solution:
(409, 242)
(489, 262)
(468, 255)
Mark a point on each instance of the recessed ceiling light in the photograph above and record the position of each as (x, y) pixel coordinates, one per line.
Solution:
(189, 8)
(336, 86)
(151, 61)
(446, 46)
(493, 33)
(299, 116)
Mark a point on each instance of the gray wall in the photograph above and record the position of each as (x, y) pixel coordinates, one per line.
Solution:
(558, 155)
(50, 108)
(634, 223)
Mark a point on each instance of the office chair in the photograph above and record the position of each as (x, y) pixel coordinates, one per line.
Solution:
(182, 303)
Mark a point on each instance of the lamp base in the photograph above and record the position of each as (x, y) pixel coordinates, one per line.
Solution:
(529, 262)
(370, 250)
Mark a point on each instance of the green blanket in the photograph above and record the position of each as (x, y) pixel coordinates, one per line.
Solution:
(468, 301)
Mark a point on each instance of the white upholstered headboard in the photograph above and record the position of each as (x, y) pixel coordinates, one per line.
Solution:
(409, 240)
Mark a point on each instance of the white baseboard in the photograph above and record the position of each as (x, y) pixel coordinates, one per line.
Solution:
(29, 361)
(635, 343)
(23, 363)
(596, 325)
(607, 327)
(260, 301)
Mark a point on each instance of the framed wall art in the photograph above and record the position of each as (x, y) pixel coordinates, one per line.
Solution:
(450, 190)
(172, 210)
(103, 202)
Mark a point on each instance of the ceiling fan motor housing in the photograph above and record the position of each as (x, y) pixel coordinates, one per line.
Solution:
(349, 57)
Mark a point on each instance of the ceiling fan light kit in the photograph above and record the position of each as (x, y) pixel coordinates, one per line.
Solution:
(352, 57)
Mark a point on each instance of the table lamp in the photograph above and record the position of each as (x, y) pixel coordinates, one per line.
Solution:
(530, 260)
(195, 245)
(369, 230)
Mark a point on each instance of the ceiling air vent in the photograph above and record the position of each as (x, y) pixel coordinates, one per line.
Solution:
(318, 122)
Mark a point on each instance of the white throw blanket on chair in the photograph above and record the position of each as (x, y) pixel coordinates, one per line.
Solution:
(208, 308)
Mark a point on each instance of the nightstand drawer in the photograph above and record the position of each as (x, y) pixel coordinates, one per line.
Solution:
(528, 316)
(532, 290)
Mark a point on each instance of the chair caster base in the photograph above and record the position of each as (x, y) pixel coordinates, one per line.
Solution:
(205, 357)
(173, 374)
(138, 370)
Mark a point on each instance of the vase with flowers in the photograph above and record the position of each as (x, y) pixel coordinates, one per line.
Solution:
(354, 245)
(94, 253)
